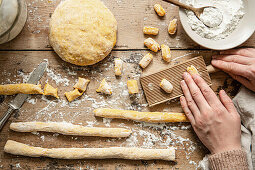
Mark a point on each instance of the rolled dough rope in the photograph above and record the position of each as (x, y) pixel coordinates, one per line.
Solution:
(10, 89)
(69, 129)
(155, 117)
(17, 148)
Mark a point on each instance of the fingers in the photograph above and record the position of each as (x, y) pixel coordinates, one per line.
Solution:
(230, 67)
(242, 80)
(207, 92)
(186, 110)
(195, 92)
(190, 102)
(248, 52)
(234, 58)
(227, 102)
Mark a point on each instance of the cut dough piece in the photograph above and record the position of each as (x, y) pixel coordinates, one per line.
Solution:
(132, 87)
(146, 60)
(104, 87)
(10, 89)
(71, 95)
(81, 84)
(82, 32)
(192, 70)
(50, 91)
(118, 64)
(166, 53)
(69, 129)
(155, 117)
(172, 27)
(152, 44)
(150, 30)
(166, 86)
(17, 148)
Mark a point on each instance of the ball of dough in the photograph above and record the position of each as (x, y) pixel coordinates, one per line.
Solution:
(82, 32)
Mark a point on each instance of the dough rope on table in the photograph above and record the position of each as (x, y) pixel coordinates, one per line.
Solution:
(154, 117)
(10, 89)
(69, 129)
(17, 148)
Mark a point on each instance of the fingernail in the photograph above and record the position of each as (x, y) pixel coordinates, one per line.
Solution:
(223, 92)
(185, 74)
(182, 82)
(214, 61)
(181, 98)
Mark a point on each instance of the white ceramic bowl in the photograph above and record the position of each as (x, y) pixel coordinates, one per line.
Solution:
(244, 30)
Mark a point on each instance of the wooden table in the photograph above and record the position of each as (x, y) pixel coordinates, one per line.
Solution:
(20, 56)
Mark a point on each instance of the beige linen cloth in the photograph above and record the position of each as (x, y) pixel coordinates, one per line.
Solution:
(245, 105)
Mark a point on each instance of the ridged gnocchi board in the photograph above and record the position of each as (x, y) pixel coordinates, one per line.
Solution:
(150, 83)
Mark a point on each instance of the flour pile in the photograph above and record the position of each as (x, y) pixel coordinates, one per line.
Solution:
(232, 11)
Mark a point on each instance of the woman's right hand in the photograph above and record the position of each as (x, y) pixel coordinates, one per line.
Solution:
(239, 64)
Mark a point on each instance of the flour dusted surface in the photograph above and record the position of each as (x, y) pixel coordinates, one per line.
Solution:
(232, 10)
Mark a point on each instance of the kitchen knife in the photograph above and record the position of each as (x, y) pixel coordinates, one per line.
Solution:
(21, 98)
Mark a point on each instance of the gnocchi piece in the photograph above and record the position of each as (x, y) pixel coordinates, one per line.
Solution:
(172, 27)
(192, 70)
(50, 91)
(10, 89)
(81, 84)
(145, 61)
(104, 87)
(132, 86)
(71, 95)
(152, 44)
(166, 86)
(118, 64)
(166, 53)
(150, 30)
(159, 10)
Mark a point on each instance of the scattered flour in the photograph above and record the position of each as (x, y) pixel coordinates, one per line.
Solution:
(232, 10)
(145, 135)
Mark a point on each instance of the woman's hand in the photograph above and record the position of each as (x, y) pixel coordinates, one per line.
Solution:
(216, 122)
(239, 64)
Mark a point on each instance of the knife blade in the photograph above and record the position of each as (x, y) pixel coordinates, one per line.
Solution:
(21, 98)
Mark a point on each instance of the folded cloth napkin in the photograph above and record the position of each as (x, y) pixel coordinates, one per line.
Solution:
(245, 105)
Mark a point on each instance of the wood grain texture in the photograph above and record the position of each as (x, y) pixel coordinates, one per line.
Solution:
(131, 16)
(16, 65)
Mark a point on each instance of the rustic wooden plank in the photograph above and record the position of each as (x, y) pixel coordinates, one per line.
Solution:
(131, 16)
(17, 65)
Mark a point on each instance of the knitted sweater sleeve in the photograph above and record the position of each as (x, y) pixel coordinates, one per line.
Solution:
(234, 160)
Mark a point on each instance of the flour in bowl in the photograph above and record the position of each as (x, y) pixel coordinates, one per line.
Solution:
(232, 11)
(208, 14)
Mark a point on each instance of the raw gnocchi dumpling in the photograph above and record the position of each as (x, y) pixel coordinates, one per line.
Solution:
(150, 30)
(166, 86)
(166, 53)
(145, 61)
(132, 86)
(104, 87)
(152, 44)
(71, 95)
(81, 84)
(159, 10)
(192, 70)
(118, 64)
(172, 27)
(50, 91)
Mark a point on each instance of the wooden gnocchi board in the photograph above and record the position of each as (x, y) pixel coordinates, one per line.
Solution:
(150, 83)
